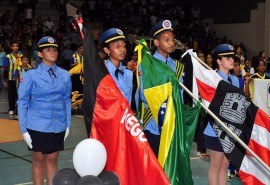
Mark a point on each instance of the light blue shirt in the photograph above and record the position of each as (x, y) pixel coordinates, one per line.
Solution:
(152, 125)
(124, 81)
(209, 131)
(169, 61)
(44, 102)
(2, 57)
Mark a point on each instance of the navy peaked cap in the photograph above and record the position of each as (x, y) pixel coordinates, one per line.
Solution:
(112, 34)
(160, 27)
(47, 41)
(224, 50)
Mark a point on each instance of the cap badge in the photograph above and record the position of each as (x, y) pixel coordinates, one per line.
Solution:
(167, 24)
(230, 46)
(119, 32)
(50, 40)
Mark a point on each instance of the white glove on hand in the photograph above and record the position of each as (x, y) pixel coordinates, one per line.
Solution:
(28, 139)
(66, 134)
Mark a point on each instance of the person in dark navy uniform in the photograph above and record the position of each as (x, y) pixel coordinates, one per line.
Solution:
(44, 110)
(114, 45)
(164, 41)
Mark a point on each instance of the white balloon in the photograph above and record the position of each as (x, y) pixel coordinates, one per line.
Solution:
(89, 157)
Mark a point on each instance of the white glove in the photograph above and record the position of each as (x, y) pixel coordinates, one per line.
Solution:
(28, 139)
(66, 134)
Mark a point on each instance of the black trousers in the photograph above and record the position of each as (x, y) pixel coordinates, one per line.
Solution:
(12, 94)
(153, 140)
(199, 135)
(77, 83)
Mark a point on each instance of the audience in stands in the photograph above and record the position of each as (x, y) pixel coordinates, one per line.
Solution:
(26, 27)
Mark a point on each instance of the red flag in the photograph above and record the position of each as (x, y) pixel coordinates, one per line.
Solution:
(244, 118)
(113, 123)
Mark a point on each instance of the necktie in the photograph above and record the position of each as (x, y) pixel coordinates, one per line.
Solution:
(117, 71)
(52, 73)
(229, 80)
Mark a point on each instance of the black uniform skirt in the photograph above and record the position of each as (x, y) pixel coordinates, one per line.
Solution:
(46, 143)
(213, 143)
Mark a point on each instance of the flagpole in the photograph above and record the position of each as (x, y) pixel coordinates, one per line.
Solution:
(201, 62)
(232, 134)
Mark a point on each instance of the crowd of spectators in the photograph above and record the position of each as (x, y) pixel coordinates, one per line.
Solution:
(134, 17)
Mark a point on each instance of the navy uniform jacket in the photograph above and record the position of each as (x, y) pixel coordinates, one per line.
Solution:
(44, 103)
(124, 81)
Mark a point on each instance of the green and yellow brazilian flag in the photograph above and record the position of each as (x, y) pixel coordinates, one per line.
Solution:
(176, 121)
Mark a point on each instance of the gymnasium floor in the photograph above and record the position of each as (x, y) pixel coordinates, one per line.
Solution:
(15, 159)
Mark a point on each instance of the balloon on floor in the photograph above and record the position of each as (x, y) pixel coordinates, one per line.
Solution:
(109, 178)
(89, 180)
(65, 176)
(89, 157)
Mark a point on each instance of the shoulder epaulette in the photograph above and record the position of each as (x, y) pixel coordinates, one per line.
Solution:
(179, 69)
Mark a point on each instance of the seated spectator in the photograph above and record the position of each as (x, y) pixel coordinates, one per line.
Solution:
(239, 54)
(209, 60)
(247, 70)
(260, 70)
(49, 25)
(201, 55)
(237, 72)
(36, 58)
(28, 14)
(260, 74)
(25, 66)
(132, 64)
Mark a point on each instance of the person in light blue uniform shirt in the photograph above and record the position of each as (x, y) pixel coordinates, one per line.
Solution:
(163, 36)
(2, 58)
(209, 131)
(44, 110)
(217, 174)
(114, 45)
(169, 61)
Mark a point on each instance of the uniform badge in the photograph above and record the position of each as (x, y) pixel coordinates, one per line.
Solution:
(50, 40)
(119, 32)
(167, 24)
